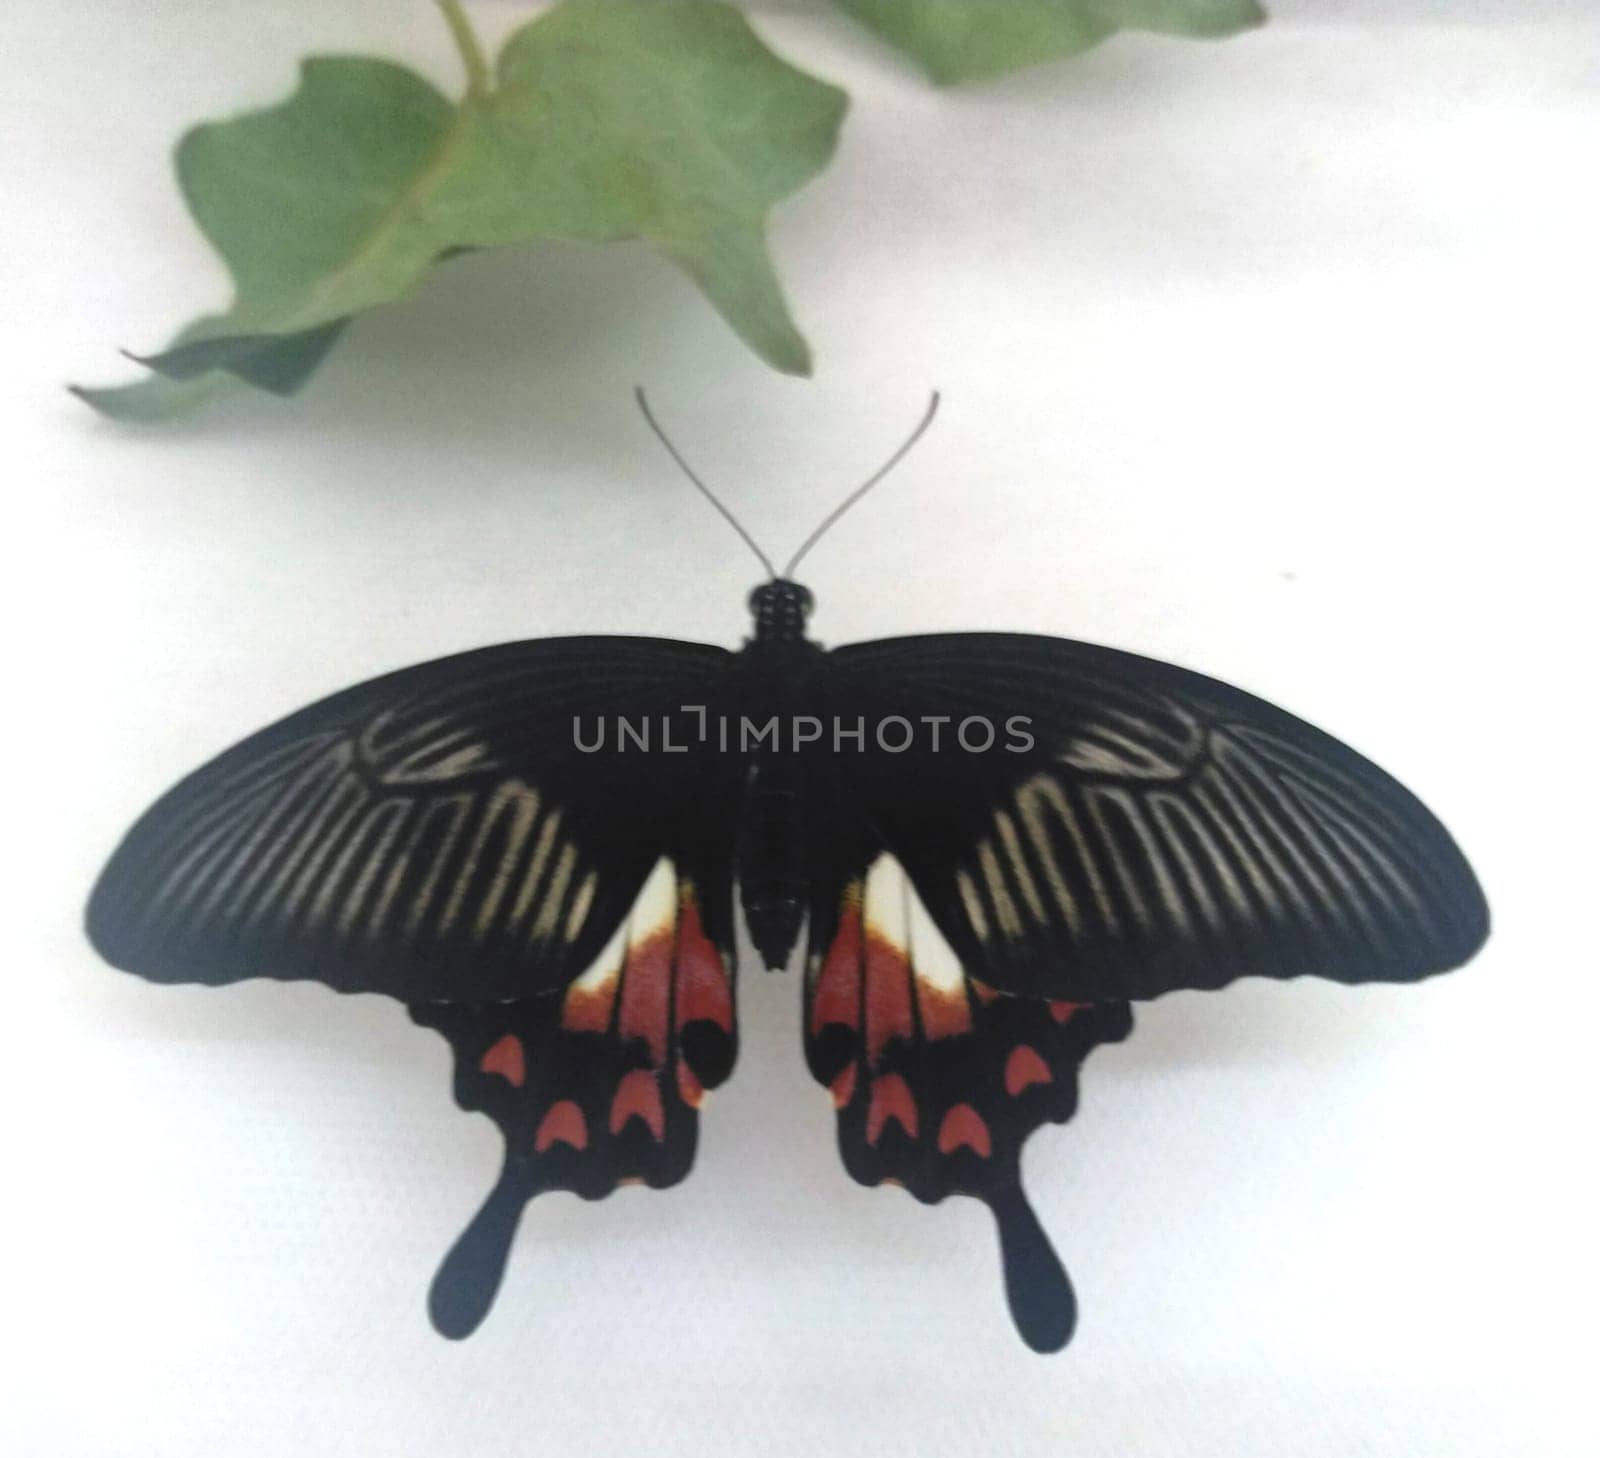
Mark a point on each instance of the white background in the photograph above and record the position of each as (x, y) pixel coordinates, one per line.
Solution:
(1275, 359)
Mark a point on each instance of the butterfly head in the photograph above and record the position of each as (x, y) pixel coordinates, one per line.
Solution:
(781, 608)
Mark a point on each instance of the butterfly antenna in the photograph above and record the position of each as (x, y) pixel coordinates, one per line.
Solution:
(867, 485)
(706, 491)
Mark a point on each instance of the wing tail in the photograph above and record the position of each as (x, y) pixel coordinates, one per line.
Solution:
(469, 1277)
(1038, 1292)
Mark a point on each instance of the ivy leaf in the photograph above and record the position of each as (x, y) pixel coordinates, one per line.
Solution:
(965, 40)
(602, 120)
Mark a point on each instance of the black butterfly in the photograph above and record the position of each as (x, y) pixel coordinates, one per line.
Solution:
(993, 842)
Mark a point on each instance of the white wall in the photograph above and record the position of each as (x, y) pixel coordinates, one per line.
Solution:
(1275, 359)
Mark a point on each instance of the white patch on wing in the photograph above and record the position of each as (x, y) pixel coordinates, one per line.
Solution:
(653, 909)
(933, 960)
(656, 907)
(895, 912)
(606, 965)
(884, 903)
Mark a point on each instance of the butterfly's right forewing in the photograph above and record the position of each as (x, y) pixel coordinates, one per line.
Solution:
(1133, 828)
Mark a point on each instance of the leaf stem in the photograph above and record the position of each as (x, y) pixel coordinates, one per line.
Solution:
(466, 40)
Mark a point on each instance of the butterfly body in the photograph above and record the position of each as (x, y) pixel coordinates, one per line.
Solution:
(990, 845)
(776, 668)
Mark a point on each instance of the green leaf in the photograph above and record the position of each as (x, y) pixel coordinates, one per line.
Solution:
(965, 40)
(604, 120)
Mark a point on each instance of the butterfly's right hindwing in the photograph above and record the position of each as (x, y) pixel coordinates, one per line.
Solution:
(436, 834)
(938, 1079)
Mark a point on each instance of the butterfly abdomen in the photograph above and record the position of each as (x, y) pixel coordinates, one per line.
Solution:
(772, 866)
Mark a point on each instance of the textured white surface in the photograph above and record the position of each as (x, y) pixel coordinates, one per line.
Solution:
(1275, 359)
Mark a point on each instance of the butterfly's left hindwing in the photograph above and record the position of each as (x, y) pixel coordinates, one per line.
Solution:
(592, 1087)
(938, 1079)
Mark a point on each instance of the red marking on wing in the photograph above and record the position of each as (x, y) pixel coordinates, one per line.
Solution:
(891, 1099)
(689, 1087)
(888, 995)
(1061, 1011)
(638, 1096)
(945, 1014)
(843, 1088)
(564, 1122)
(838, 994)
(1024, 1068)
(588, 1009)
(982, 991)
(647, 993)
(703, 991)
(962, 1127)
(505, 1058)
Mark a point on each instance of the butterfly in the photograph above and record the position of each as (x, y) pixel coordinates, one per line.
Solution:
(990, 845)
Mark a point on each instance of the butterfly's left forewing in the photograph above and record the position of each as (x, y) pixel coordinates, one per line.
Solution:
(466, 829)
